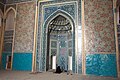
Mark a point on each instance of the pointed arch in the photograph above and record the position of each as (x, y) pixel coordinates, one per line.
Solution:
(7, 11)
(45, 32)
(1, 13)
(10, 19)
(9, 26)
(62, 13)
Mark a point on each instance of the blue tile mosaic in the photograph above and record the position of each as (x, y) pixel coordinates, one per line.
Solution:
(53, 44)
(44, 38)
(67, 7)
(50, 9)
(22, 61)
(101, 64)
(63, 53)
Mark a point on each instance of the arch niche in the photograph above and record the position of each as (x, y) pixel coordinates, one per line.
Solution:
(58, 42)
(9, 36)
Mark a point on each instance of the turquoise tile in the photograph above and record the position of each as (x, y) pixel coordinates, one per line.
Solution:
(101, 64)
(22, 61)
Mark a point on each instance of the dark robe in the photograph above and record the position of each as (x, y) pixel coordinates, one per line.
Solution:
(58, 70)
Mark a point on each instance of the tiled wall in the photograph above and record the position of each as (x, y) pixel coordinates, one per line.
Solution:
(24, 30)
(49, 11)
(22, 61)
(24, 27)
(8, 39)
(101, 64)
(99, 29)
(99, 38)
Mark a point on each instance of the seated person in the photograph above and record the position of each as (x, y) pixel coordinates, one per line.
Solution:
(58, 70)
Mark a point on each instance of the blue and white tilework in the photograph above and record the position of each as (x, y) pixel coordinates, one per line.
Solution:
(47, 11)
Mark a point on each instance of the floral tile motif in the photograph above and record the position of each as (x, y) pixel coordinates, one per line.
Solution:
(53, 52)
(53, 44)
(47, 11)
(24, 27)
(63, 44)
(55, 37)
(99, 28)
(101, 64)
(68, 7)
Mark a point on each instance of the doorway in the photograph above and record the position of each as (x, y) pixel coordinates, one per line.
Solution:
(8, 63)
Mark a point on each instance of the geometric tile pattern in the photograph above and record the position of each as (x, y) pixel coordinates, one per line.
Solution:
(63, 53)
(53, 44)
(99, 32)
(63, 44)
(62, 62)
(7, 47)
(55, 37)
(8, 39)
(69, 8)
(24, 27)
(53, 52)
(99, 28)
(43, 37)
